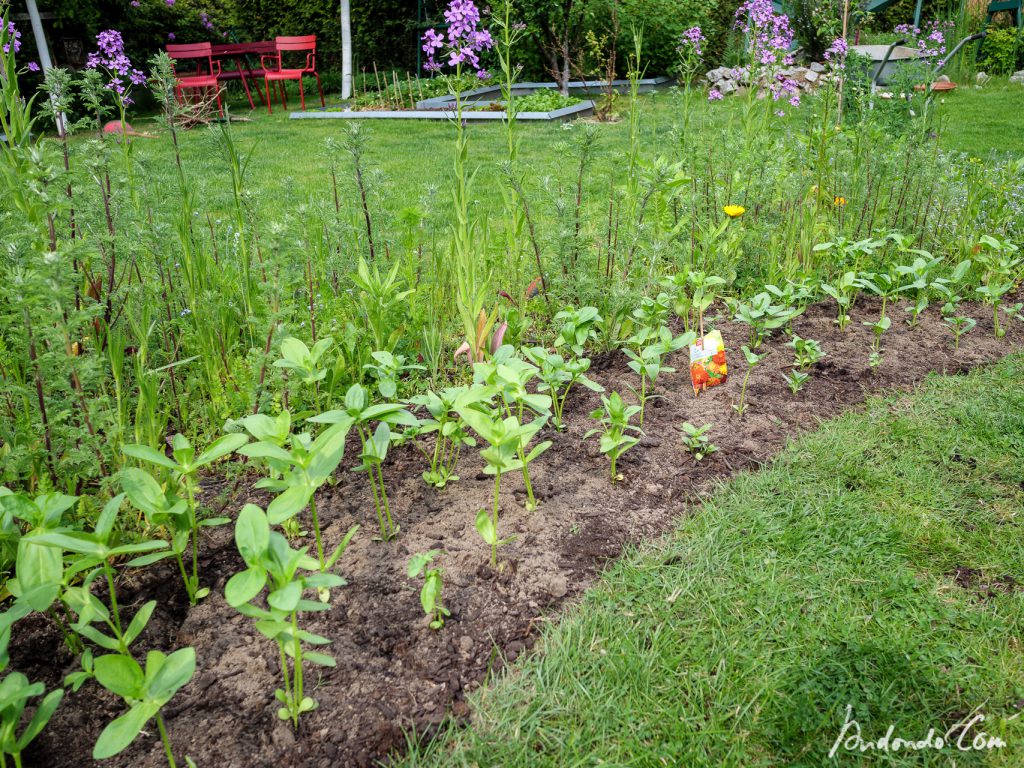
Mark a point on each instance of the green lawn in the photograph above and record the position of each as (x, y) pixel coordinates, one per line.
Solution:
(820, 582)
(291, 161)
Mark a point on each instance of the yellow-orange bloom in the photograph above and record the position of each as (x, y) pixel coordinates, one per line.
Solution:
(840, 201)
(734, 211)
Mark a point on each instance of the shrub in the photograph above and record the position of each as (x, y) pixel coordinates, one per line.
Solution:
(1002, 52)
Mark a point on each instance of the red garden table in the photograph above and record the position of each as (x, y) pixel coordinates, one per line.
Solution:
(240, 54)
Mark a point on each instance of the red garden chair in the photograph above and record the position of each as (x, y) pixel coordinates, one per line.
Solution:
(274, 70)
(200, 81)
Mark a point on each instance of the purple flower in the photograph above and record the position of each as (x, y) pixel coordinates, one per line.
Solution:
(170, 3)
(135, 3)
(715, 95)
(13, 38)
(112, 58)
(463, 42)
(692, 39)
(171, 36)
(32, 66)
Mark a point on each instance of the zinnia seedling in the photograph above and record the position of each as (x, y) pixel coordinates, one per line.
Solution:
(184, 466)
(646, 359)
(558, 375)
(752, 359)
(696, 440)
(286, 574)
(795, 380)
(806, 352)
(433, 583)
(450, 431)
(615, 429)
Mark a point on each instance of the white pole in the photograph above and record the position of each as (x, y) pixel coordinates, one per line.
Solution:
(44, 52)
(346, 50)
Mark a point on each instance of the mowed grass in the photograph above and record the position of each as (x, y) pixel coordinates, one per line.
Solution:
(410, 161)
(819, 582)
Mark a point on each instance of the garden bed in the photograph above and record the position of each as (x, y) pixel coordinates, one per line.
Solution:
(583, 109)
(393, 672)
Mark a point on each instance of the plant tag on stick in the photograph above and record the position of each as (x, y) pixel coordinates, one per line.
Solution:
(707, 362)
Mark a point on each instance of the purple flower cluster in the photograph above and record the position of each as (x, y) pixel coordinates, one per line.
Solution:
(13, 38)
(204, 19)
(464, 40)
(715, 95)
(111, 57)
(692, 39)
(929, 40)
(837, 51)
(771, 38)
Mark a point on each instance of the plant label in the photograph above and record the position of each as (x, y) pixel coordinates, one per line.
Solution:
(707, 362)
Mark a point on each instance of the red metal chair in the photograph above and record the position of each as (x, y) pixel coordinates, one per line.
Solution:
(274, 70)
(200, 81)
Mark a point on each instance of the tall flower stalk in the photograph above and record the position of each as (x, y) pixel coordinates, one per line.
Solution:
(459, 50)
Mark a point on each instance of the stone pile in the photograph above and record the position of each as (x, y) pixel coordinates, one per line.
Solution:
(728, 80)
(1017, 77)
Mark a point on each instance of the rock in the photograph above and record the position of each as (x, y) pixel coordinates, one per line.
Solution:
(727, 87)
(466, 644)
(817, 67)
(942, 79)
(981, 78)
(1017, 77)
(558, 586)
(811, 76)
(717, 74)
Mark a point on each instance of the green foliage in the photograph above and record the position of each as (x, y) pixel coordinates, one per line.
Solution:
(616, 433)
(1002, 51)
(433, 584)
(696, 441)
(544, 100)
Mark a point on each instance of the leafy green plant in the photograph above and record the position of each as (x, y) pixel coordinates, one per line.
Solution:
(507, 376)
(844, 291)
(544, 100)
(795, 380)
(433, 584)
(305, 362)
(806, 352)
(297, 472)
(921, 284)
(506, 440)
(382, 299)
(578, 327)
(359, 413)
(960, 326)
(386, 369)
(696, 440)
(752, 359)
(184, 467)
(15, 693)
(1001, 268)
(445, 422)
(878, 328)
(145, 691)
(557, 376)
(286, 574)
(615, 431)
(646, 360)
(763, 316)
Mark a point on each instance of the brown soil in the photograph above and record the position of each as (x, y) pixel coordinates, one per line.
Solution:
(394, 673)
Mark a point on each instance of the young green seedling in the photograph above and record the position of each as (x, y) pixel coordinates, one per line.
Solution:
(752, 359)
(451, 434)
(145, 692)
(558, 376)
(359, 412)
(15, 692)
(921, 283)
(615, 429)
(184, 466)
(844, 292)
(286, 574)
(304, 362)
(696, 440)
(507, 376)
(505, 438)
(806, 352)
(298, 473)
(578, 327)
(763, 316)
(959, 326)
(1002, 268)
(878, 328)
(795, 380)
(386, 369)
(646, 359)
(433, 583)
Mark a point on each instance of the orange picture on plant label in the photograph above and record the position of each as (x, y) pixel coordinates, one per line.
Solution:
(707, 362)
